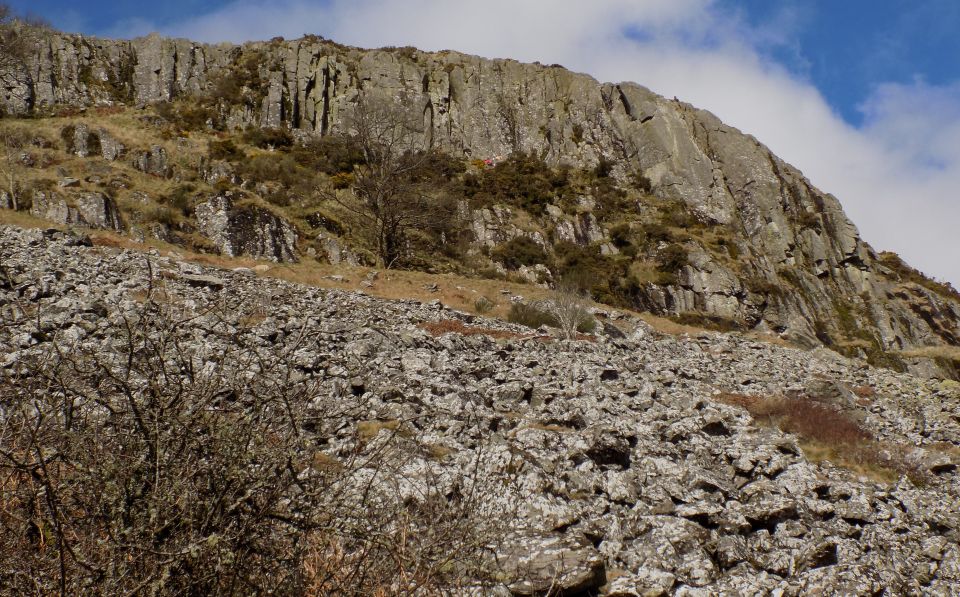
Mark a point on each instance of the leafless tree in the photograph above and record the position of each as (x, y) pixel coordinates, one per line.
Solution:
(389, 191)
(569, 304)
(13, 140)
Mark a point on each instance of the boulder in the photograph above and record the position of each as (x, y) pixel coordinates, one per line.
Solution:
(94, 210)
(248, 230)
(551, 564)
(111, 149)
(153, 162)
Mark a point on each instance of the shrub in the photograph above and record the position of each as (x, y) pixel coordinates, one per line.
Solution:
(604, 167)
(320, 219)
(136, 471)
(522, 179)
(226, 150)
(268, 138)
(189, 115)
(330, 154)
(275, 167)
(707, 321)
(483, 305)
(641, 182)
(161, 214)
(655, 232)
(241, 82)
(828, 430)
(531, 315)
(342, 180)
(904, 273)
(519, 251)
(181, 199)
(621, 236)
(673, 258)
(569, 305)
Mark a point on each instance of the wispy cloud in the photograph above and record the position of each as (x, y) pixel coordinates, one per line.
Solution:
(897, 175)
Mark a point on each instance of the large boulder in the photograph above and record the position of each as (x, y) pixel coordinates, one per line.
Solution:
(551, 564)
(94, 210)
(248, 230)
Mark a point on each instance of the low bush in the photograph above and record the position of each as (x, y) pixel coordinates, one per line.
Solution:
(226, 150)
(331, 154)
(127, 469)
(455, 326)
(904, 273)
(519, 251)
(483, 305)
(531, 315)
(673, 258)
(268, 138)
(522, 179)
(270, 167)
(707, 321)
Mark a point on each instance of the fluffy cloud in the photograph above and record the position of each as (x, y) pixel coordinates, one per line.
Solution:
(896, 175)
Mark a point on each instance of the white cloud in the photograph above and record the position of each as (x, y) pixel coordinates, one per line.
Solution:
(896, 176)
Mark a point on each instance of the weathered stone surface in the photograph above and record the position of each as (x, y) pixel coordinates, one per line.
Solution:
(624, 476)
(551, 565)
(153, 162)
(111, 149)
(246, 230)
(94, 210)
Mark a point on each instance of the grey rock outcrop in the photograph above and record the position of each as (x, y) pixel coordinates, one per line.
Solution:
(824, 282)
(94, 210)
(111, 149)
(246, 230)
(153, 162)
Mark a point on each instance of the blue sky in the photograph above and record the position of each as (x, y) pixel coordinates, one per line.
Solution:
(862, 95)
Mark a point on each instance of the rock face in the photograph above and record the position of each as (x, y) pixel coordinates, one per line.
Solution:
(620, 472)
(153, 162)
(94, 210)
(824, 282)
(246, 230)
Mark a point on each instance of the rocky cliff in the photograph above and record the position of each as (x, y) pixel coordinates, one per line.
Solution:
(797, 265)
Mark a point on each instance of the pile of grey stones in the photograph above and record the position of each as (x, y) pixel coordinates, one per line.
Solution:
(629, 477)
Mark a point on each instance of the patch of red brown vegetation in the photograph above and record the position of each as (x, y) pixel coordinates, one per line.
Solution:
(109, 110)
(455, 326)
(827, 432)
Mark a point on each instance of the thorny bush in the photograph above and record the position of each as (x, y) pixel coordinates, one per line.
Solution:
(183, 456)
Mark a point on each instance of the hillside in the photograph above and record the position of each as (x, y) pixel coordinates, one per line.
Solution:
(179, 429)
(541, 174)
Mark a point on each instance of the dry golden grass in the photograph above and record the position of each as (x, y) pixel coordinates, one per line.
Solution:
(455, 326)
(24, 220)
(951, 353)
(368, 430)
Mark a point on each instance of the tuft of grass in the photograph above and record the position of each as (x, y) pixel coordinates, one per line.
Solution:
(483, 305)
(368, 430)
